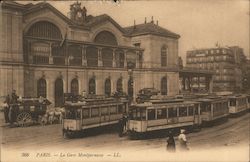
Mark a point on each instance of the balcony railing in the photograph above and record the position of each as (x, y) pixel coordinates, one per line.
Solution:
(40, 60)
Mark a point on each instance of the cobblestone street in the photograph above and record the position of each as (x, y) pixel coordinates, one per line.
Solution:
(232, 134)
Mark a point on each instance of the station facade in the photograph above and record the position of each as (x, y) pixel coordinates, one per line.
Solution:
(44, 53)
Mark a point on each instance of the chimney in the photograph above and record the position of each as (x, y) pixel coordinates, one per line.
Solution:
(134, 24)
(152, 19)
(157, 22)
(145, 20)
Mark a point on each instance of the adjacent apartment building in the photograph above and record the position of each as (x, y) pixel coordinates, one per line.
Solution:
(224, 61)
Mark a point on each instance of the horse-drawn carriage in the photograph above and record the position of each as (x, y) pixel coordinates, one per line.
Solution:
(27, 111)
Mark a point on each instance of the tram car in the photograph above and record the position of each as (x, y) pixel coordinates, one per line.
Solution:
(238, 104)
(148, 117)
(213, 108)
(28, 110)
(88, 113)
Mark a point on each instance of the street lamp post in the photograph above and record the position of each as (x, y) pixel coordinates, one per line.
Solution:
(67, 72)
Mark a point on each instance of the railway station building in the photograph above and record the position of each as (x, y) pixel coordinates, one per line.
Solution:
(45, 53)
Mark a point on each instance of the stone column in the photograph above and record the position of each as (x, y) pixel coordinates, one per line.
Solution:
(114, 60)
(50, 54)
(125, 58)
(211, 81)
(137, 59)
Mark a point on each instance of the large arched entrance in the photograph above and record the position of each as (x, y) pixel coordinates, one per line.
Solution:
(74, 87)
(164, 86)
(59, 92)
(41, 88)
(107, 87)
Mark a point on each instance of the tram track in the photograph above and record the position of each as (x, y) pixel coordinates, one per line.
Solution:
(235, 130)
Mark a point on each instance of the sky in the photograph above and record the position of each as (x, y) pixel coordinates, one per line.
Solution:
(200, 23)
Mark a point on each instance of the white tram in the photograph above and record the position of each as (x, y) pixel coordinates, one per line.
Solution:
(237, 104)
(92, 113)
(213, 108)
(148, 117)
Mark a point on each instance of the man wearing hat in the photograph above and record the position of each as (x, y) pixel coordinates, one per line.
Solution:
(183, 140)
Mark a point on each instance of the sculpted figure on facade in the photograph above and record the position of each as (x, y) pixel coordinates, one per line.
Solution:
(78, 14)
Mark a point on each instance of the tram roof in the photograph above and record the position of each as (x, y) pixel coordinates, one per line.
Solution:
(164, 105)
(238, 96)
(86, 104)
(212, 98)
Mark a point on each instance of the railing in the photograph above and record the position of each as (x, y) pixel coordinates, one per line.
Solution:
(40, 60)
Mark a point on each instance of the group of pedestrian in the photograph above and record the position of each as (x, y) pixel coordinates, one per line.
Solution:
(10, 108)
(171, 146)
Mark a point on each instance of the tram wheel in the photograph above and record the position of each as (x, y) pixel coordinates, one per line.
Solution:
(24, 119)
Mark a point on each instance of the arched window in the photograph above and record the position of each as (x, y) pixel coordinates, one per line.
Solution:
(164, 52)
(106, 37)
(119, 85)
(107, 87)
(119, 58)
(41, 32)
(164, 86)
(92, 86)
(44, 29)
(107, 57)
(92, 56)
(41, 88)
(74, 87)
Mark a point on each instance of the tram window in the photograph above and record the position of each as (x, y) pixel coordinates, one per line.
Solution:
(190, 111)
(70, 114)
(183, 111)
(138, 114)
(196, 109)
(133, 115)
(143, 114)
(94, 112)
(206, 107)
(85, 113)
(151, 114)
(104, 111)
(161, 113)
(233, 102)
(78, 114)
(172, 112)
(113, 110)
(120, 109)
